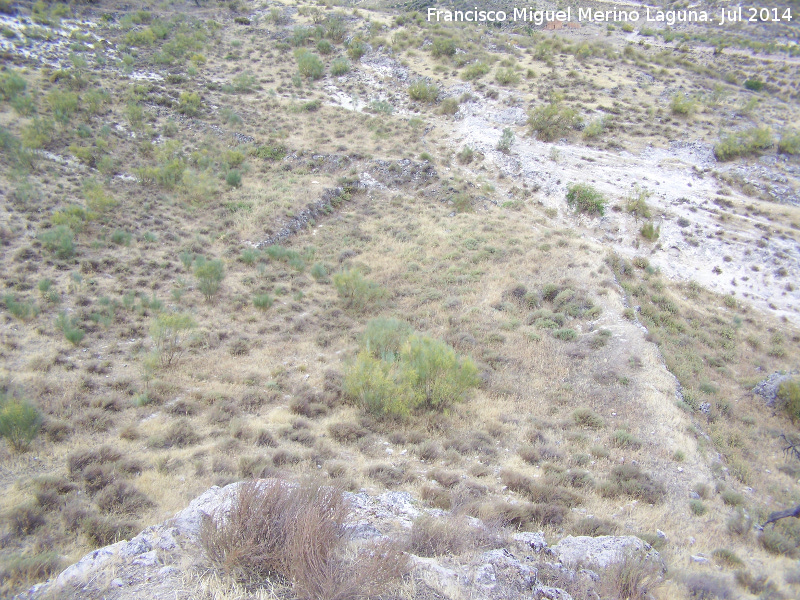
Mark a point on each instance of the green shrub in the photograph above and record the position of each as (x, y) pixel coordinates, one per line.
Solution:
(625, 439)
(399, 371)
(507, 76)
(466, 155)
(698, 508)
(566, 335)
(383, 338)
(585, 199)
(319, 272)
(209, 277)
(263, 301)
(443, 47)
(234, 178)
(636, 203)
(11, 86)
(743, 143)
(324, 47)
(790, 142)
(475, 71)
(754, 84)
(73, 334)
(628, 479)
(309, 65)
(586, 417)
(19, 424)
(422, 91)
(553, 121)
(121, 238)
(21, 310)
(650, 232)
(189, 104)
(356, 49)
(596, 128)
(63, 105)
(169, 332)
(59, 241)
(506, 139)
(340, 66)
(681, 104)
(358, 293)
(789, 397)
(449, 106)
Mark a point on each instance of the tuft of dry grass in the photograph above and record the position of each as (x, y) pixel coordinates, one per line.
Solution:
(295, 535)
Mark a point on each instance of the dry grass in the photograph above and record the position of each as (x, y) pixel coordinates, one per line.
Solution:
(295, 535)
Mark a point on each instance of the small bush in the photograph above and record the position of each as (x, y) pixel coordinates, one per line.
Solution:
(189, 104)
(234, 178)
(121, 238)
(775, 542)
(398, 371)
(263, 301)
(754, 85)
(698, 508)
(422, 91)
(466, 155)
(790, 142)
(357, 292)
(59, 241)
(319, 272)
(743, 143)
(169, 332)
(553, 121)
(681, 104)
(356, 49)
(209, 277)
(443, 47)
(506, 139)
(650, 232)
(596, 128)
(586, 417)
(449, 106)
(309, 65)
(629, 480)
(789, 397)
(475, 71)
(507, 76)
(66, 324)
(340, 66)
(625, 439)
(585, 199)
(20, 423)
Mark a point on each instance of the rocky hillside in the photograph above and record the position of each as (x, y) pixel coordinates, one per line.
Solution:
(541, 281)
(445, 559)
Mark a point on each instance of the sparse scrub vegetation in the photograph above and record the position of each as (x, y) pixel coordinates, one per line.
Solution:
(743, 143)
(398, 372)
(553, 121)
(357, 292)
(422, 91)
(586, 199)
(510, 374)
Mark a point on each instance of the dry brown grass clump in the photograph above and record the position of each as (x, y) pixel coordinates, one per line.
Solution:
(295, 535)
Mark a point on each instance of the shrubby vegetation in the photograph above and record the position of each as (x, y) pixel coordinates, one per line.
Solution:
(398, 372)
(553, 121)
(20, 422)
(586, 199)
(743, 143)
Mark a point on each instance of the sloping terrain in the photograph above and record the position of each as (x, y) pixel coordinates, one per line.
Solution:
(236, 239)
